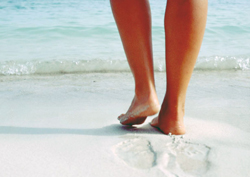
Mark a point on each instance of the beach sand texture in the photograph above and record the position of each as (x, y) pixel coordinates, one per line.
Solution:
(66, 125)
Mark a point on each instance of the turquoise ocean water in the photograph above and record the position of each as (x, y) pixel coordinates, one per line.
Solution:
(77, 36)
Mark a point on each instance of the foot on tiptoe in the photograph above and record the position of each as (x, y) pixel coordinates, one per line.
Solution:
(139, 110)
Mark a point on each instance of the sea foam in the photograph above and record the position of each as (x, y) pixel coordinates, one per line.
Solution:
(91, 66)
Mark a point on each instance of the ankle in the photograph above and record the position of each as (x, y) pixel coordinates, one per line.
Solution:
(175, 109)
(146, 94)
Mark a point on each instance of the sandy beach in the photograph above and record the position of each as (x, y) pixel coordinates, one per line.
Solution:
(66, 125)
(64, 80)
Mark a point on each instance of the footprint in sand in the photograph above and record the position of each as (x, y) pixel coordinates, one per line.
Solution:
(136, 152)
(177, 157)
(184, 158)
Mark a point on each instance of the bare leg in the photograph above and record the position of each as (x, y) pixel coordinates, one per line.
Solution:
(133, 20)
(185, 22)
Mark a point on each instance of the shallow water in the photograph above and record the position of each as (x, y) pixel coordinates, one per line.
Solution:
(38, 37)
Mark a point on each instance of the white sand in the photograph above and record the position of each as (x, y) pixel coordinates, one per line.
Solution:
(66, 125)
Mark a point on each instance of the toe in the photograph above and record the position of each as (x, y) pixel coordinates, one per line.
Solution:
(120, 116)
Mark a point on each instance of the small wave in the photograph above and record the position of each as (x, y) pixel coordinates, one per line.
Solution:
(62, 67)
(223, 63)
(97, 65)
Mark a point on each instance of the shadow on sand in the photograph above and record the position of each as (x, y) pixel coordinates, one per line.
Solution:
(111, 130)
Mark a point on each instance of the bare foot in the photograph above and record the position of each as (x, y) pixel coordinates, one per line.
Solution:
(170, 122)
(139, 110)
